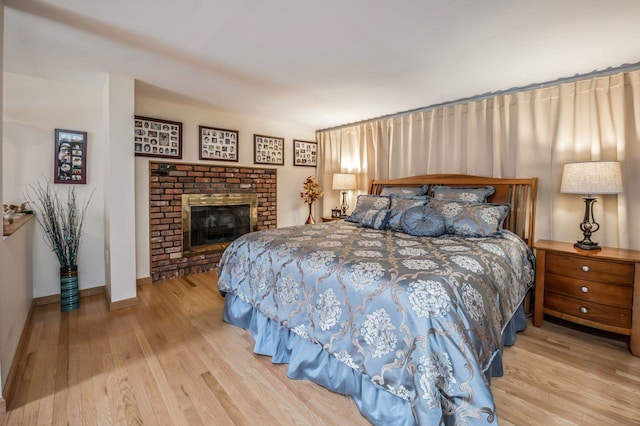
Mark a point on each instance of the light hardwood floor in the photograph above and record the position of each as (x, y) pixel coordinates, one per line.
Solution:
(171, 360)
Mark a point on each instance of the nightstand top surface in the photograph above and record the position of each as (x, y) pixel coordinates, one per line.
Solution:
(606, 252)
(330, 218)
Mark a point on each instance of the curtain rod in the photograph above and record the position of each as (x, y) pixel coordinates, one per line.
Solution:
(597, 73)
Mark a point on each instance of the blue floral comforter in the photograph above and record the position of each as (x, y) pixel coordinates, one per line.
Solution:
(421, 318)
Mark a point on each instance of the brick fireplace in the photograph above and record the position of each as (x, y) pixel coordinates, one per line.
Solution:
(169, 181)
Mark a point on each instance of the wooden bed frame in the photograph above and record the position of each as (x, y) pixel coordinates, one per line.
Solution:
(519, 193)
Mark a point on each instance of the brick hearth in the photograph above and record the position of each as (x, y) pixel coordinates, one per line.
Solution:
(167, 183)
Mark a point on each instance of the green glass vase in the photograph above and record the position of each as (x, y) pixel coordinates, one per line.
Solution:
(69, 292)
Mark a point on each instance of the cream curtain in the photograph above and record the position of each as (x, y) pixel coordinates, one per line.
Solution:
(523, 134)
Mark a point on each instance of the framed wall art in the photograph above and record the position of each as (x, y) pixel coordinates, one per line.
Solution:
(268, 150)
(305, 153)
(157, 138)
(218, 144)
(70, 157)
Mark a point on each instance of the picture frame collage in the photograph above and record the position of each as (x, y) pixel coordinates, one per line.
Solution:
(157, 138)
(268, 150)
(218, 144)
(154, 137)
(70, 157)
(305, 153)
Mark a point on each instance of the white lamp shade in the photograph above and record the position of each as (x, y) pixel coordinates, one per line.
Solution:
(590, 178)
(344, 181)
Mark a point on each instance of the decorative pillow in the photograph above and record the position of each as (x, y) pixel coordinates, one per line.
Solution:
(468, 195)
(376, 219)
(422, 221)
(472, 220)
(367, 202)
(403, 191)
(399, 206)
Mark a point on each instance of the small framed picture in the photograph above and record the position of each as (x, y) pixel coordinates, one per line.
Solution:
(305, 153)
(157, 138)
(218, 144)
(268, 150)
(70, 157)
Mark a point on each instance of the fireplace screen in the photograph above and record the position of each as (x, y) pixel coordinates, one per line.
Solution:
(210, 222)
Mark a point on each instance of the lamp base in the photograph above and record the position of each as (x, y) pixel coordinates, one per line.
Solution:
(587, 245)
(344, 206)
(588, 226)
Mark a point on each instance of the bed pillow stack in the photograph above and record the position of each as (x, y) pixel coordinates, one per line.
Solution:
(371, 211)
(400, 205)
(385, 210)
(403, 198)
(466, 212)
(453, 210)
(472, 220)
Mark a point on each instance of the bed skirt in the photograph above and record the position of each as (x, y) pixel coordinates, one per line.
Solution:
(308, 361)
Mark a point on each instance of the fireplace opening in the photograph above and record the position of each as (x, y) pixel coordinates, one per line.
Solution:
(210, 222)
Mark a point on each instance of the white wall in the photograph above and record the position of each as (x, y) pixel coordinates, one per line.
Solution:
(291, 210)
(119, 214)
(33, 108)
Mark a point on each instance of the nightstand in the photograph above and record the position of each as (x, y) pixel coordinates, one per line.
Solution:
(329, 219)
(599, 289)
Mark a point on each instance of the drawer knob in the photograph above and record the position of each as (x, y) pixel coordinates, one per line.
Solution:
(584, 310)
(585, 268)
(584, 289)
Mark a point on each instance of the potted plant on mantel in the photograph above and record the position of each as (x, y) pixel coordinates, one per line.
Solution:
(61, 220)
(311, 192)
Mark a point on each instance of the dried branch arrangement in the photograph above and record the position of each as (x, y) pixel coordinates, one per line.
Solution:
(60, 219)
(311, 190)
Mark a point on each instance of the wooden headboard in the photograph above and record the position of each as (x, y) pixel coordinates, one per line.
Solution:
(520, 193)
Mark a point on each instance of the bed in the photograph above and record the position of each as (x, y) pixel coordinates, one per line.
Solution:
(411, 327)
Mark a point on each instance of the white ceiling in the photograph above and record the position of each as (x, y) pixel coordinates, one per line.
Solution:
(319, 63)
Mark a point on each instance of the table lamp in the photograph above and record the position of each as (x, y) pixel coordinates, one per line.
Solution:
(344, 182)
(591, 178)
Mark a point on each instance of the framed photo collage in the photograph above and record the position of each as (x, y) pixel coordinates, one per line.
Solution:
(70, 157)
(218, 144)
(157, 138)
(154, 137)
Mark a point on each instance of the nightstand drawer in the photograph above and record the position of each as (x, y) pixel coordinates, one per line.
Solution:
(590, 269)
(607, 294)
(595, 312)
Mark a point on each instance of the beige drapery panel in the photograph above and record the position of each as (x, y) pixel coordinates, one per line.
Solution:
(523, 134)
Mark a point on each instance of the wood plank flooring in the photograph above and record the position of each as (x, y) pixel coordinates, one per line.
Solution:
(172, 361)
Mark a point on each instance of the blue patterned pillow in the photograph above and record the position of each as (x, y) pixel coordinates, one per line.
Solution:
(403, 191)
(365, 203)
(472, 220)
(423, 221)
(468, 195)
(376, 219)
(399, 206)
